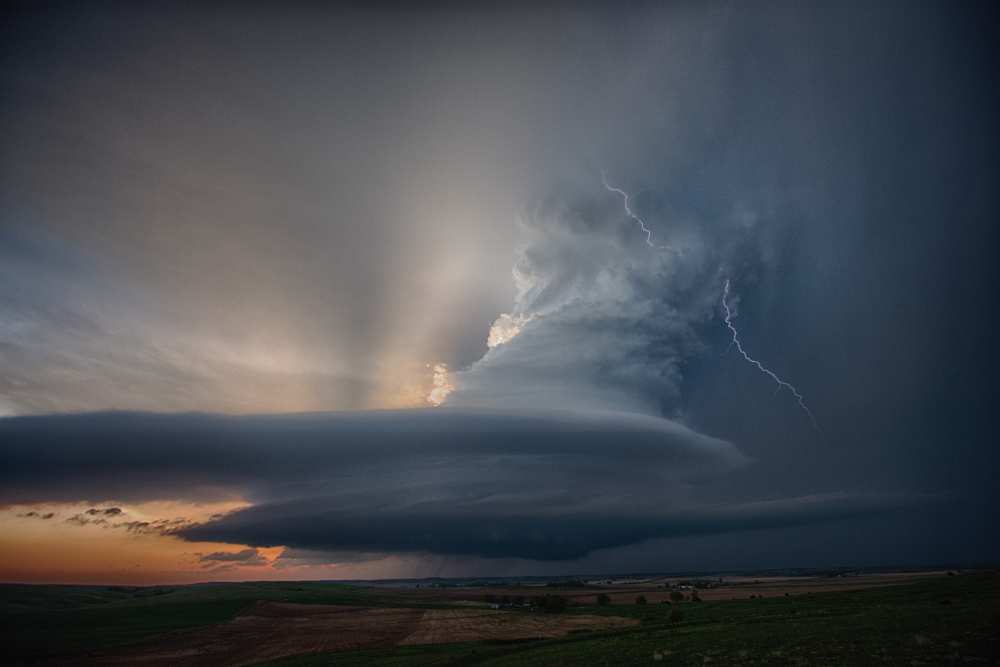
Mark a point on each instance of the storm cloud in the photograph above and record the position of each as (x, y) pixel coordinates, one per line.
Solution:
(635, 314)
(516, 529)
(538, 486)
(134, 456)
(314, 208)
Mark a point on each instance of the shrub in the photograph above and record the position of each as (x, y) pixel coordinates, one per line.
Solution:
(641, 599)
(676, 615)
(550, 604)
(603, 600)
(695, 597)
(676, 596)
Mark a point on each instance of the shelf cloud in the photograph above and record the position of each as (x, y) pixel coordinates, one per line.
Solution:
(402, 457)
(483, 483)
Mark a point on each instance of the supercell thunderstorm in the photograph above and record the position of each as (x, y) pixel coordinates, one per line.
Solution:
(631, 317)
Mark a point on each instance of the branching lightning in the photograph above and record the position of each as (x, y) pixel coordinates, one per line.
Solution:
(628, 211)
(781, 384)
(739, 346)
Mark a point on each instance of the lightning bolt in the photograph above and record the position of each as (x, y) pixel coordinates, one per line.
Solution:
(781, 383)
(631, 214)
(725, 304)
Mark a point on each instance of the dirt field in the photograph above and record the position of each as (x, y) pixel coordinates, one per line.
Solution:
(439, 626)
(272, 630)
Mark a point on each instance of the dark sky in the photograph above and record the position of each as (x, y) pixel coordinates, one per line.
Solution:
(306, 208)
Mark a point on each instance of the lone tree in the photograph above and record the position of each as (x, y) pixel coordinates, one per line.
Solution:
(603, 600)
(676, 615)
(550, 604)
(641, 599)
(676, 596)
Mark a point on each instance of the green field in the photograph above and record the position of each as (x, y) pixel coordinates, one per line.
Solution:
(946, 620)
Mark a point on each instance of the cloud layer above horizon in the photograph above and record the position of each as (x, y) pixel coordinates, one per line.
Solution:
(487, 484)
